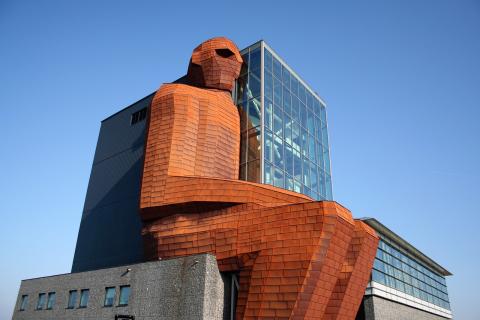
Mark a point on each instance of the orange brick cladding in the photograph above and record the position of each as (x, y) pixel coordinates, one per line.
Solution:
(297, 258)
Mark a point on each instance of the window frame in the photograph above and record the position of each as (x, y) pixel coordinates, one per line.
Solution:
(82, 291)
(51, 300)
(70, 293)
(120, 304)
(23, 302)
(40, 296)
(105, 305)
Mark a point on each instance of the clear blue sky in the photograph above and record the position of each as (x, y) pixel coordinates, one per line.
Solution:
(401, 80)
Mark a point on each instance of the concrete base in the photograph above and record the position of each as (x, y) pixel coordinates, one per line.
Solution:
(184, 288)
(376, 308)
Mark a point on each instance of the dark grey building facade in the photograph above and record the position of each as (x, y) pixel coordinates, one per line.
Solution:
(110, 229)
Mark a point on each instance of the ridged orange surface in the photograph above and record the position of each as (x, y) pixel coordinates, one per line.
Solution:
(297, 258)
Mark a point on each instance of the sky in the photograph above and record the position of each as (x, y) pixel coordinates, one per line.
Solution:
(401, 80)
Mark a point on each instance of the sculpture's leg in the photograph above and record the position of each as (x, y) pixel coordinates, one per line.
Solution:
(302, 248)
(351, 283)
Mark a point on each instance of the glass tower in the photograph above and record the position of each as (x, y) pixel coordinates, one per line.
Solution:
(284, 136)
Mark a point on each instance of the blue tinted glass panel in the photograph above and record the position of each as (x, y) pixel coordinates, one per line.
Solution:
(297, 165)
(255, 59)
(296, 136)
(286, 77)
(253, 150)
(109, 297)
(287, 101)
(268, 85)
(84, 295)
(306, 173)
(268, 145)
(51, 300)
(24, 302)
(268, 60)
(277, 92)
(72, 299)
(268, 173)
(294, 85)
(277, 68)
(42, 297)
(124, 295)
(313, 177)
(303, 115)
(301, 93)
(310, 122)
(254, 111)
(295, 109)
(278, 157)
(278, 121)
(268, 113)
(278, 178)
(254, 86)
(289, 159)
(309, 100)
(287, 129)
(289, 183)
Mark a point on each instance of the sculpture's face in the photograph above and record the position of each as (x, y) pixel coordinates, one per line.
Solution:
(219, 61)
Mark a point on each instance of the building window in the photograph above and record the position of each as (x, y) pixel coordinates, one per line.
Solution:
(84, 295)
(394, 269)
(72, 299)
(51, 300)
(109, 296)
(41, 301)
(124, 295)
(138, 116)
(24, 303)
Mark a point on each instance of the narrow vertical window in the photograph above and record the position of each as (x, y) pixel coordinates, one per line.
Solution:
(84, 295)
(72, 299)
(51, 300)
(124, 295)
(138, 116)
(41, 301)
(109, 296)
(24, 303)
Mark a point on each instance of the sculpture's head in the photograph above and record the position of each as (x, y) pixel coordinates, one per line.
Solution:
(215, 64)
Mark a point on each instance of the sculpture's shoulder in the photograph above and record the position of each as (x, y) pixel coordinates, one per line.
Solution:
(169, 89)
(182, 89)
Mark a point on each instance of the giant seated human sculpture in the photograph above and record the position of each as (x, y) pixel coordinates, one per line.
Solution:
(297, 258)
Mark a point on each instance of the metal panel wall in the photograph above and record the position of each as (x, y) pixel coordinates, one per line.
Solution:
(110, 230)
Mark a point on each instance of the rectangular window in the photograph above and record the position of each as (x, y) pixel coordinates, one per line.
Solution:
(138, 116)
(51, 300)
(41, 301)
(84, 295)
(24, 303)
(72, 299)
(109, 296)
(124, 295)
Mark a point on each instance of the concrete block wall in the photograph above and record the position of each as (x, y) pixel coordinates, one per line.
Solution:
(183, 288)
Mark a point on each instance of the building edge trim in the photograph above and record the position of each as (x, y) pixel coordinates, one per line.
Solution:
(377, 289)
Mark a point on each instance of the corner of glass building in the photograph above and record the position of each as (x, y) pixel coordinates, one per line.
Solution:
(284, 132)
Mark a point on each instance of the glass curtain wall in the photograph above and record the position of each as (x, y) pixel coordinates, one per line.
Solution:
(396, 270)
(248, 99)
(278, 108)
